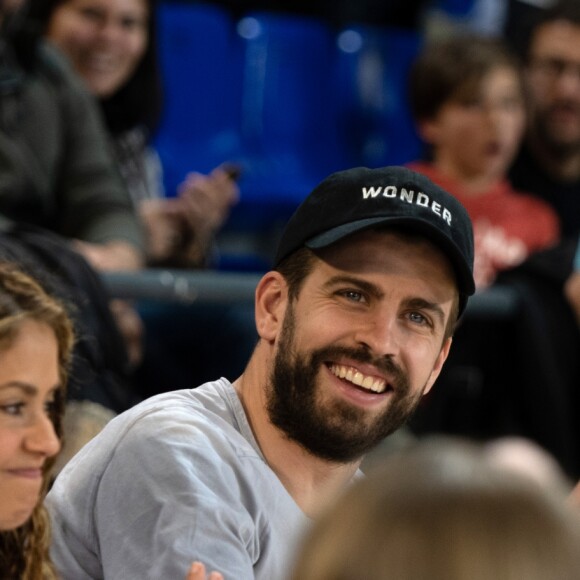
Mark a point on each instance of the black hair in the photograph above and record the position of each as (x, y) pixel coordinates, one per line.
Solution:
(566, 10)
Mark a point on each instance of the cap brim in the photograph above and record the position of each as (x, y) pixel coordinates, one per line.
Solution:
(463, 272)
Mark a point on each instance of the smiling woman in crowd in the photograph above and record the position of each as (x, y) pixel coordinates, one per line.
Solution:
(36, 338)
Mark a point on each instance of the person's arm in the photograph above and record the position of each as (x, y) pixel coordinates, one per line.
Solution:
(110, 256)
(572, 285)
(95, 206)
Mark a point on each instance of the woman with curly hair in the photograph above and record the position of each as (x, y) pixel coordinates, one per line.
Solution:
(36, 339)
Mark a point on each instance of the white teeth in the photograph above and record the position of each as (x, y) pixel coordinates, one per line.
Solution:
(354, 376)
(367, 383)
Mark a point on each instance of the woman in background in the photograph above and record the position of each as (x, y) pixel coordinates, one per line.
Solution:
(36, 339)
(111, 44)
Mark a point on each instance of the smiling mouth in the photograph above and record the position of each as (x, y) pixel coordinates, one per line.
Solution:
(354, 376)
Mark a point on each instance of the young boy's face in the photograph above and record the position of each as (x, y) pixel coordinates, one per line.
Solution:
(476, 135)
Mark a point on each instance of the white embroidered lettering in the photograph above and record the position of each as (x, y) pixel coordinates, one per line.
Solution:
(371, 192)
(422, 199)
(408, 196)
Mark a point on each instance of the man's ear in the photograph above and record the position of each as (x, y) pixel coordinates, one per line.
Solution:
(270, 305)
(438, 364)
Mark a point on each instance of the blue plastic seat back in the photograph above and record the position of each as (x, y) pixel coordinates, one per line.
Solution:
(289, 128)
(373, 64)
(199, 128)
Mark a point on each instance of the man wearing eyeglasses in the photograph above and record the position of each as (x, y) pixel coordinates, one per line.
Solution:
(549, 162)
(548, 165)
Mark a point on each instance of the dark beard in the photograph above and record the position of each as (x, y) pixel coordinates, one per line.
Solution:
(560, 151)
(338, 433)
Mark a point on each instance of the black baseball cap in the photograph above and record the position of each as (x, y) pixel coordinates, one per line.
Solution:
(356, 199)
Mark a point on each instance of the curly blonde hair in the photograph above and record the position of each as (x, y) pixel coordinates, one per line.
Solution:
(24, 552)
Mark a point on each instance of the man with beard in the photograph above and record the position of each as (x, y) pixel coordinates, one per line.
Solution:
(549, 162)
(354, 325)
(548, 165)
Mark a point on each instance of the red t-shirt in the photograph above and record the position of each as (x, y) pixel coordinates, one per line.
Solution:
(507, 225)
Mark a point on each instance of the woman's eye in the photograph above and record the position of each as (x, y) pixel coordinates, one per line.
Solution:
(14, 409)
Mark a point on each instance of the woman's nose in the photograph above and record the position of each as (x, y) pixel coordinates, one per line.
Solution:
(42, 437)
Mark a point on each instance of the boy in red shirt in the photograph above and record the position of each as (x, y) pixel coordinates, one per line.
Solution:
(467, 98)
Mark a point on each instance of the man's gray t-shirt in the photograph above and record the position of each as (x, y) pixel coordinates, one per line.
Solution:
(175, 479)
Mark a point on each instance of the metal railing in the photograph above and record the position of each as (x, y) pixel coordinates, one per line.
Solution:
(498, 302)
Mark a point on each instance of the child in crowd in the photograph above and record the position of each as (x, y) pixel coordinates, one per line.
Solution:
(467, 99)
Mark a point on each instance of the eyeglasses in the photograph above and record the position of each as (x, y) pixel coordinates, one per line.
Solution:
(555, 68)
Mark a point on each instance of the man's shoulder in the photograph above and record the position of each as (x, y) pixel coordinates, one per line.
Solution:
(207, 405)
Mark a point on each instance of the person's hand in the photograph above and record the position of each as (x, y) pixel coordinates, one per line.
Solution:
(197, 572)
(204, 203)
(131, 327)
(207, 199)
(180, 230)
(112, 256)
(575, 496)
(163, 228)
(572, 292)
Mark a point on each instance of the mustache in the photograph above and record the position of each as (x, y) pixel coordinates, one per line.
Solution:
(564, 105)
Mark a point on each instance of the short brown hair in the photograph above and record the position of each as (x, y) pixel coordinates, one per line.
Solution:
(452, 68)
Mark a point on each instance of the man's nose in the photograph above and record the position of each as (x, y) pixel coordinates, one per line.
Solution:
(381, 334)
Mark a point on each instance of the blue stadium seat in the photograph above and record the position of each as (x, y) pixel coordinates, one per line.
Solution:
(290, 136)
(371, 86)
(199, 128)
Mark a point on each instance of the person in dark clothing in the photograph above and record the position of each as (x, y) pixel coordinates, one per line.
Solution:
(548, 164)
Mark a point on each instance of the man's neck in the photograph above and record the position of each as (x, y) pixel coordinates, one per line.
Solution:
(311, 481)
(563, 167)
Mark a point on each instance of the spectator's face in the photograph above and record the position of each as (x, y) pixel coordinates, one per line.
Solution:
(476, 134)
(7, 7)
(104, 39)
(553, 77)
(28, 379)
(361, 344)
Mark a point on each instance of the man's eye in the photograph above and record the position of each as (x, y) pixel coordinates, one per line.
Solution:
(353, 295)
(417, 318)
